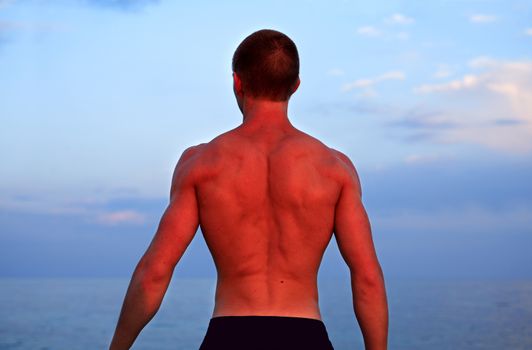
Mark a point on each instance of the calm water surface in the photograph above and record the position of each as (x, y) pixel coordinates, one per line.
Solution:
(81, 314)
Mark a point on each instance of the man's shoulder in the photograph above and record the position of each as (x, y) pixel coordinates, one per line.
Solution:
(333, 154)
(337, 162)
(192, 151)
(218, 143)
(198, 159)
(316, 145)
(189, 155)
(349, 172)
(344, 159)
(188, 160)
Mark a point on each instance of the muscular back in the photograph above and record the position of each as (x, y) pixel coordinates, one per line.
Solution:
(266, 201)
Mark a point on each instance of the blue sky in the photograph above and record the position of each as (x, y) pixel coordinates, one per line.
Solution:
(432, 101)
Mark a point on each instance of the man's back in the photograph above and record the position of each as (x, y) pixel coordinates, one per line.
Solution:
(268, 198)
(266, 201)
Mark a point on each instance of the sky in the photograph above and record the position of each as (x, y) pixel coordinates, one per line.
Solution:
(431, 100)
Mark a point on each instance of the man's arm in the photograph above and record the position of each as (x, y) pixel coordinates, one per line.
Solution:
(353, 235)
(152, 275)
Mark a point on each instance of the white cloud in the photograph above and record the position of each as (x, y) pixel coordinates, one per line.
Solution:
(369, 31)
(394, 19)
(368, 93)
(357, 84)
(88, 209)
(40, 205)
(335, 72)
(366, 85)
(368, 82)
(528, 31)
(482, 62)
(491, 106)
(482, 18)
(443, 71)
(468, 81)
(121, 217)
(391, 75)
(410, 56)
(403, 35)
(398, 18)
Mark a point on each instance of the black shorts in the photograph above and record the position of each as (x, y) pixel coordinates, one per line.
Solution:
(265, 332)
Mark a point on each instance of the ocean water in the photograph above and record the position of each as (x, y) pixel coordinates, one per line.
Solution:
(40, 314)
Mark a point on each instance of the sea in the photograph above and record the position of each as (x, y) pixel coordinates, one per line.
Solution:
(67, 313)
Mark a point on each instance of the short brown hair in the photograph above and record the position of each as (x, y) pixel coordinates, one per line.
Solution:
(267, 63)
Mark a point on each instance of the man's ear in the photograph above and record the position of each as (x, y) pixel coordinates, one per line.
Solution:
(296, 85)
(237, 84)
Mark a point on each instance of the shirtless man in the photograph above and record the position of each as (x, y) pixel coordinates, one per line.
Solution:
(268, 199)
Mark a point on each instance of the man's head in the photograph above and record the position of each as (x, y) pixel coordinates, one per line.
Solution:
(267, 65)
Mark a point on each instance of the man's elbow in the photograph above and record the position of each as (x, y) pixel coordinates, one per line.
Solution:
(150, 275)
(368, 281)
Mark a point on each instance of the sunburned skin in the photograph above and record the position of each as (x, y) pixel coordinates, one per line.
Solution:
(266, 202)
(268, 198)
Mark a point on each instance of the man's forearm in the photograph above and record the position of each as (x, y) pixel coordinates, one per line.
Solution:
(143, 298)
(371, 309)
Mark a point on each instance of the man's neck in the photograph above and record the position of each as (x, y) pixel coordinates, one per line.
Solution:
(265, 113)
